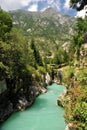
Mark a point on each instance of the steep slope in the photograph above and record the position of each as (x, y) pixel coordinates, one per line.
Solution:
(48, 28)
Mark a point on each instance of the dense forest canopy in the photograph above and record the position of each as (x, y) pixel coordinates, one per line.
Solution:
(5, 25)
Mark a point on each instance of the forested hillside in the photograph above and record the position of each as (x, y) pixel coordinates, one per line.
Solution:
(49, 29)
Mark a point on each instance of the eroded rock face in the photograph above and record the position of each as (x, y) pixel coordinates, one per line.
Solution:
(48, 79)
(25, 98)
(6, 107)
(11, 101)
(15, 102)
(61, 99)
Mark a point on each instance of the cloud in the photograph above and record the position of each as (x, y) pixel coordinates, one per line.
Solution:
(18, 4)
(81, 13)
(55, 4)
(67, 4)
(13, 4)
(25, 2)
(33, 7)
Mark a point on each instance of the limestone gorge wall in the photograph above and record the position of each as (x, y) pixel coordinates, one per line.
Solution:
(11, 102)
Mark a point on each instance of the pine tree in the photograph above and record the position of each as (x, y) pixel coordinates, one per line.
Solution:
(36, 54)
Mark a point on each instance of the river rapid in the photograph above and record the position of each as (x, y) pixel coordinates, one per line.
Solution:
(43, 115)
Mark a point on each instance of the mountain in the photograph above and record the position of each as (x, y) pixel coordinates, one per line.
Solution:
(48, 28)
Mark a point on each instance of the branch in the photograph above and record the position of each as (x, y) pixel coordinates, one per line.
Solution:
(80, 5)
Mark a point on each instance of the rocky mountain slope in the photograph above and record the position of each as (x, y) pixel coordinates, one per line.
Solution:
(48, 28)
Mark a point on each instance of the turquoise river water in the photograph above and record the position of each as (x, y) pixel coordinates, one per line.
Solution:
(43, 115)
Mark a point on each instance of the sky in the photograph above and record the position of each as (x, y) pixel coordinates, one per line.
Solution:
(39, 5)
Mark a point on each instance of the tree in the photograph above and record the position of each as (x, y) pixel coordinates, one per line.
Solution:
(60, 56)
(36, 54)
(20, 60)
(78, 4)
(5, 28)
(3, 59)
(5, 25)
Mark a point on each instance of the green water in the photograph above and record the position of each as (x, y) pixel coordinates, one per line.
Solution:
(43, 115)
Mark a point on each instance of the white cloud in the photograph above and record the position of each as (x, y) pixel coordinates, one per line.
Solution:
(33, 7)
(15, 4)
(25, 2)
(18, 4)
(67, 4)
(55, 4)
(81, 13)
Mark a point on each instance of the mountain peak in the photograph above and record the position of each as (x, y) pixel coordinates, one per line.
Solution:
(50, 9)
(51, 12)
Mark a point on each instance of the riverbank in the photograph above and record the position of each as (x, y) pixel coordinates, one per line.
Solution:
(12, 102)
(43, 115)
(15, 102)
(74, 100)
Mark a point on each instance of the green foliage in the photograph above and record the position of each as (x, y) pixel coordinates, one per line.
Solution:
(28, 71)
(80, 30)
(60, 57)
(1, 65)
(78, 38)
(48, 60)
(41, 69)
(80, 115)
(18, 62)
(68, 74)
(5, 25)
(76, 99)
(74, 1)
(83, 76)
(36, 54)
(80, 112)
(3, 68)
(4, 58)
(16, 59)
(81, 25)
(5, 28)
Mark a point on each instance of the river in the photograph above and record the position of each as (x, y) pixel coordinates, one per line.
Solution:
(43, 115)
